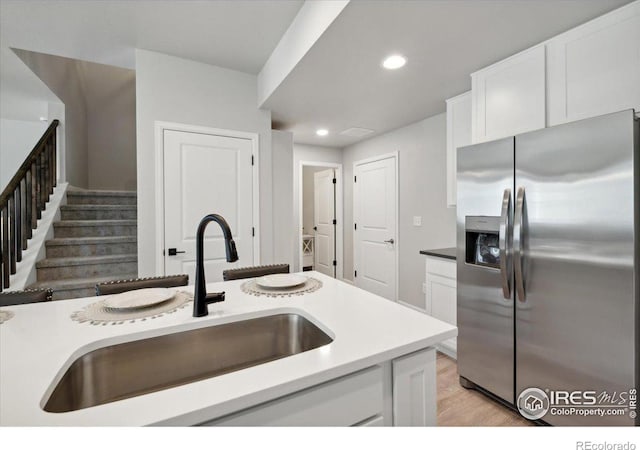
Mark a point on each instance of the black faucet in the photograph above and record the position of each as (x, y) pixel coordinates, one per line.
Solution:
(200, 297)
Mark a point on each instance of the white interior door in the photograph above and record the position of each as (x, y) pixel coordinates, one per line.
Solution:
(324, 215)
(206, 174)
(375, 234)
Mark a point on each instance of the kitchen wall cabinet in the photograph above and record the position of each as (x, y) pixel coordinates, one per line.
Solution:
(594, 69)
(509, 97)
(441, 296)
(458, 135)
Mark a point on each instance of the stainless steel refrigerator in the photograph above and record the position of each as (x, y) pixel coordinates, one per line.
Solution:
(548, 262)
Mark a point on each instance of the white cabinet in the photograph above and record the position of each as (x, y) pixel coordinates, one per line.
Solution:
(414, 389)
(458, 135)
(441, 296)
(509, 97)
(594, 69)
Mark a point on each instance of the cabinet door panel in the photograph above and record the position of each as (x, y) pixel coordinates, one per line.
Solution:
(595, 69)
(458, 135)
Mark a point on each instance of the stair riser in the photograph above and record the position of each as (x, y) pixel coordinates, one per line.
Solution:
(63, 251)
(86, 271)
(115, 214)
(97, 231)
(100, 200)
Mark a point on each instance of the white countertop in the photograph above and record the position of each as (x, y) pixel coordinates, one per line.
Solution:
(41, 342)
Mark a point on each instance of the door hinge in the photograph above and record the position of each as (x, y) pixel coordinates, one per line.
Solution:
(334, 181)
(355, 273)
(252, 161)
(253, 231)
(335, 263)
(355, 179)
(355, 226)
(335, 222)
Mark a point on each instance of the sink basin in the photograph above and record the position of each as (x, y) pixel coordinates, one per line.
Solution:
(148, 365)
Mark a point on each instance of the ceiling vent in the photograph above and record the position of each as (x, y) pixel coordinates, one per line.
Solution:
(356, 132)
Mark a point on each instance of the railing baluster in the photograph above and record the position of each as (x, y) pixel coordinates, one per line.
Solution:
(5, 246)
(54, 146)
(45, 188)
(12, 234)
(17, 204)
(23, 213)
(27, 204)
(34, 196)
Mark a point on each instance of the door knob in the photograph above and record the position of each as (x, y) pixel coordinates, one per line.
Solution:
(174, 252)
(390, 241)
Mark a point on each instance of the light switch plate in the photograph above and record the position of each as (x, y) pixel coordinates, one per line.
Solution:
(417, 221)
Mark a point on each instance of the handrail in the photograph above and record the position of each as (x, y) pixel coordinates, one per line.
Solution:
(24, 199)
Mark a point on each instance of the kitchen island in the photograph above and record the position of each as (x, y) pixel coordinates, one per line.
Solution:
(378, 370)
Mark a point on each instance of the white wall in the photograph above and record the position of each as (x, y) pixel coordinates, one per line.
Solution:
(17, 139)
(283, 231)
(178, 90)
(306, 153)
(422, 183)
(63, 79)
(110, 96)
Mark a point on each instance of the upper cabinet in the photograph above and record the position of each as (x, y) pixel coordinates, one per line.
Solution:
(458, 135)
(509, 97)
(594, 69)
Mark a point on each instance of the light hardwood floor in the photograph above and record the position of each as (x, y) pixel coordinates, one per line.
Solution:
(462, 407)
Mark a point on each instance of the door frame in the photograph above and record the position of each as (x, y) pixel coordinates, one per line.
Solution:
(339, 217)
(396, 156)
(159, 129)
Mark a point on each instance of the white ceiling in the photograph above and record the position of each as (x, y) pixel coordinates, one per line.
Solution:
(339, 83)
(235, 34)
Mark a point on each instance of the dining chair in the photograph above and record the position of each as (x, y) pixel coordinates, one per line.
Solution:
(118, 286)
(255, 271)
(25, 297)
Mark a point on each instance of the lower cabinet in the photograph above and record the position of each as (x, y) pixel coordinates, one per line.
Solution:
(401, 392)
(441, 296)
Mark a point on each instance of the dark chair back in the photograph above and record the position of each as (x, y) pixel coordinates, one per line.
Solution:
(24, 297)
(252, 272)
(118, 286)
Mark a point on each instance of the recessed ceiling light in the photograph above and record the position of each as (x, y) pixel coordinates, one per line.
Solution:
(322, 132)
(394, 62)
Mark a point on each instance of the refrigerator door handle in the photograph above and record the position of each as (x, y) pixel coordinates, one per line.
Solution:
(518, 256)
(504, 244)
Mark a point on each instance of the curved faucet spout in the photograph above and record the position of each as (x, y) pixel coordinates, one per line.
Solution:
(200, 298)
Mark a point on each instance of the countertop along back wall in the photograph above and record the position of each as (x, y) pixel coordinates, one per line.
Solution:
(172, 89)
(422, 185)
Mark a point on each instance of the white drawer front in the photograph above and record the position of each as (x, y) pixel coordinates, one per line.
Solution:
(343, 402)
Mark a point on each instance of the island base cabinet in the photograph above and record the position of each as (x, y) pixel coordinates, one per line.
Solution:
(401, 392)
(351, 400)
(414, 389)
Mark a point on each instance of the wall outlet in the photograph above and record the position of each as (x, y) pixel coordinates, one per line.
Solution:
(417, 221)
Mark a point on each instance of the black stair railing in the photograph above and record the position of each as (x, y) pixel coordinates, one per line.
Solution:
(24, 199)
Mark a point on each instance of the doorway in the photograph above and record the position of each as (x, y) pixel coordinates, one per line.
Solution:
(375, 216)
(320, 206)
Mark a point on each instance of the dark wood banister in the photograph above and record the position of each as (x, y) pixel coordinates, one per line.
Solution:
(24, 199)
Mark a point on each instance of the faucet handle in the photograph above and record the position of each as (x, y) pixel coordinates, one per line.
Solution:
(214, 297)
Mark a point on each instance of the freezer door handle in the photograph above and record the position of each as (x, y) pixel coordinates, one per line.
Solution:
(518, 246)
(504, 244)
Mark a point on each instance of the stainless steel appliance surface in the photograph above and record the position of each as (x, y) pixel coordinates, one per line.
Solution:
(548, 264)
(139, 367)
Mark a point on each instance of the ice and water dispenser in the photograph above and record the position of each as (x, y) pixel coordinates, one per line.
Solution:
(482, 241)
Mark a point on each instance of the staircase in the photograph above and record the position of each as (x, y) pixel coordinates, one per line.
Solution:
(95, 241)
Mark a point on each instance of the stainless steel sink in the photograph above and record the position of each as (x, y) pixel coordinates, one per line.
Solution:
(148, 365)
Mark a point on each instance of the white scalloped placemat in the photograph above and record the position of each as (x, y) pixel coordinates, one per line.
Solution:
(252, 288)
(99, 314)
(5, 315)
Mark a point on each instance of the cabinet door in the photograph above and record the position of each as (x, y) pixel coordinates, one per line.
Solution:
(458, 135)
(414, 389)
(441, 296)
(595, 69)
(509, 97)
